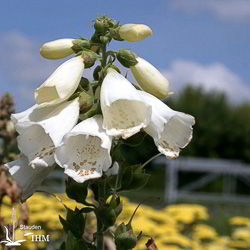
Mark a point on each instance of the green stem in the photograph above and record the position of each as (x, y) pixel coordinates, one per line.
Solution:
(99, 235)
(104, 56)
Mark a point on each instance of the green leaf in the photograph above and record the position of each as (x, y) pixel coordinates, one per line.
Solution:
(72, 243)
(75, 222)
(63, 246)
(133, 178)
(77, 191)
(87, 210)
(139, 181)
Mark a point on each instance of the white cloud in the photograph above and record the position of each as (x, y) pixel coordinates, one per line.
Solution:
(211, 77)
(233, 10)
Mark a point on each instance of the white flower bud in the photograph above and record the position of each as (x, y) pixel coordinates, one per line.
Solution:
(61, 84)
(57, 49)
(150, 79)
(134, 32)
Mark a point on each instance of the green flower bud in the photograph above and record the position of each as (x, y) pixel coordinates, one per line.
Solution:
(84, 83)
(126, 57)
(126, 240)
(86, 101)
(100, 26)
(134, 32)
(89, 58)
(108, 216)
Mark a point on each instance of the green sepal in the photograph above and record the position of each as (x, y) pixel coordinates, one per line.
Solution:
(114, 33)
(126, 57)
(80, 44)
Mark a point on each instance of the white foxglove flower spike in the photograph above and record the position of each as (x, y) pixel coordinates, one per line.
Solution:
(57, 49)
(150, 79)
(134, 32)
(42, 129)
(124, 111)
(85, 150)
(61, 84)
(27, 178)
(171, 130)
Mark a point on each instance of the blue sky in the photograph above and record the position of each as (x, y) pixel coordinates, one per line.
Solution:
(206, 42)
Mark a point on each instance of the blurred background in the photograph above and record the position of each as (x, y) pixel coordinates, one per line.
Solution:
(203, 48)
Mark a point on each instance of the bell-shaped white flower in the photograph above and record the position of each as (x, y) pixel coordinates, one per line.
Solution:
(57, 49)
(171, 130)
(114, 170)
(150, 79)
(85, 150)
(124, 110)
(27, 178)
(134, 32)
(42, 129)
(61, 84)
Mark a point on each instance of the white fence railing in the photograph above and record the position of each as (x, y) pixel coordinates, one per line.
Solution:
(212, 168)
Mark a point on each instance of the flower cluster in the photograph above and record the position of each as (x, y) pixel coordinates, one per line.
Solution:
(79, 124)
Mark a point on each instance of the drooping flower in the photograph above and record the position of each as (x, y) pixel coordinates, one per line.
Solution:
(85, 150)
(134, 32)
(61, 84)
(28, 178)
(57, 49)
(42, 129)
(150, 79)
(171, 130)
(124, 110)
(113, 170)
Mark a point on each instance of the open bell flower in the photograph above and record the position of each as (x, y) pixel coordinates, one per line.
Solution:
(27, 178)
(85, 150)
(42, 129)
(134, 32)
(61, 84)
(171, 130)
(57, 49)
(124, 111)
(150, 79)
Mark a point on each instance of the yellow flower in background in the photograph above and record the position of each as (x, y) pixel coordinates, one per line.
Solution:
(238, 221)
(242, 234)
(204, 232)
